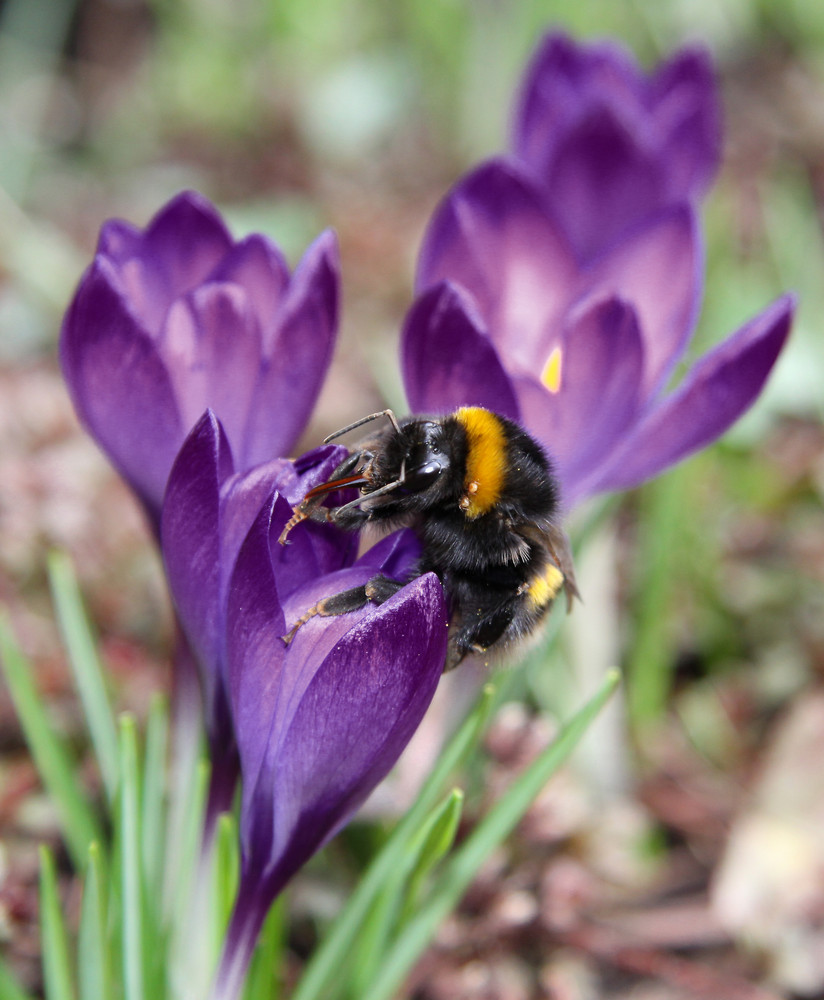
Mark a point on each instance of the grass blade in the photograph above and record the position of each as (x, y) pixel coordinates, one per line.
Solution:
(10, 989)
(264, 971)
(54, 763)
(437, 842)
(153, 811)
(459, 871)
(226, 871)
(85, 664)
(328, 958)
(94, 965)
(56, 967)
(131, 914)
(392, 907)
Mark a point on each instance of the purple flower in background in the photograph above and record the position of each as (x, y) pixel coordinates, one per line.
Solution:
(578, 351)
(178, 317)
(608, 145)
(321, 721)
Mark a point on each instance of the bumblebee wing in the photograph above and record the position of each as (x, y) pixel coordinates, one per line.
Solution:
(561, 551)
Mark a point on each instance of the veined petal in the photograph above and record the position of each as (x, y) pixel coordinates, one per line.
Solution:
(364, 702)
(190, 539)
(447, 359)
(178, 250)
(492, 236)
(297, 356)
(688, 116)
(601, 181)
(258, 266)
(659, 269)
(255, 652)
(599, 395)
(120, 386)
(211, 345)
(719, 387)
(561, 83)
(185, 241)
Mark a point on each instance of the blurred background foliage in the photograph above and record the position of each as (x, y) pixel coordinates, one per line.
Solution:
(296, 116)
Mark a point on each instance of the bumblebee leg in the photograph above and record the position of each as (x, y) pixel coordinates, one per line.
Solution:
(375, 591)
(476, 633)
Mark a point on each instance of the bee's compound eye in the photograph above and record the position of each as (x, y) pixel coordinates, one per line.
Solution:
(425, 475)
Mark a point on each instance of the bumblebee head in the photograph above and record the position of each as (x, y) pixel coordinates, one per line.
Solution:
(425, 459)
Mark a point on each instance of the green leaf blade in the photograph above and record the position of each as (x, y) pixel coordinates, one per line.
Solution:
(85, 664)
(465, 863)
(54, 763)
(56, 966)
(327, 960)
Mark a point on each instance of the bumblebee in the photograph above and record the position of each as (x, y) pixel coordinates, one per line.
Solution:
(483, 499)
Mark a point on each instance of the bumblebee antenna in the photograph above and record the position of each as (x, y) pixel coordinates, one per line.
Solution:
(375, 493)
(364, 420)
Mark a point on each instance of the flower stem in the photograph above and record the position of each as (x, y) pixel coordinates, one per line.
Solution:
(251, 906)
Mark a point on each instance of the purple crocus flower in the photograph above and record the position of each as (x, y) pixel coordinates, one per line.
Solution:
(609, 145)
(177, 317)
(320, 721)
(579, 351)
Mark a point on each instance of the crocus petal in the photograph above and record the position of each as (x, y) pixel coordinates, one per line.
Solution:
(361, 705)
(492, 236)
(313, 549)
(211, 344)
(685, 101)
(659, 269)
(177, 318)
(561, 83)
(190, 537)
(717, 390)
(598, 400)
(364, 702)
(259, 267)
(119, 385)
(610, 146)
(600, 182)
(447, 359)
(180, 247)
(297, 357)
(268, 681)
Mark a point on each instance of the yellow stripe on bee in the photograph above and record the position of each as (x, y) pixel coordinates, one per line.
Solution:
(485, 460)
(544, 589)
(551, 375)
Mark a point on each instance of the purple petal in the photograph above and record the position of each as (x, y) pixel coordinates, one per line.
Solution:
(211, 344)
(719, 387)
(255, 650)
(601, 181)
(355, 717)
(609, 145)
(561, 83)
(120, 386)
(448, 361)
(394, 555)
(313, 551)
(364, 702)
(190, 538)
(659, 269)
(186, 241)
(688, 115)
(603, 361)
(258, 266)
(181, 246)
(298, 356)
(492, 236)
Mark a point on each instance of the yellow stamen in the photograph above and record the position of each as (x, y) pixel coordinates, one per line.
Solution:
(551, 375)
